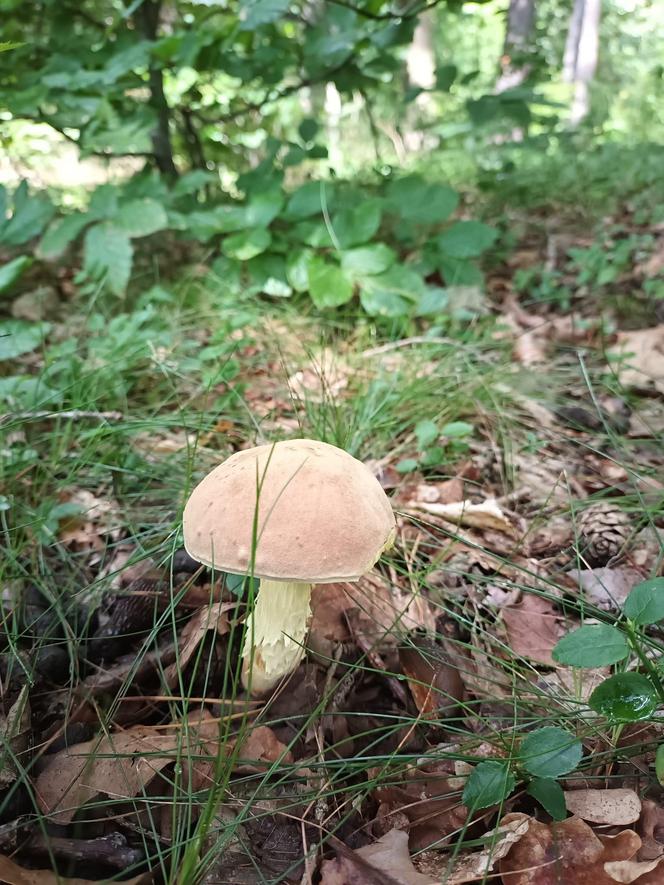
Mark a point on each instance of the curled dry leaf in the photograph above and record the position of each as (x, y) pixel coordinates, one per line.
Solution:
(651, 830)
(212, 617)
(98, 517)
(615, 807)
(429, 798)
(476, 866)
(385, 862)
(13, 874)
(607, 588)
(118, 765)
(570, 852)
(383, 610)
(641, 356)
(484, 516)
(260, 749)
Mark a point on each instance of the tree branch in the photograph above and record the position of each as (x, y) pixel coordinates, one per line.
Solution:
(387, 16)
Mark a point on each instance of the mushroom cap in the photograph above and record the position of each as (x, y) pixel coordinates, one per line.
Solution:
(322, 514)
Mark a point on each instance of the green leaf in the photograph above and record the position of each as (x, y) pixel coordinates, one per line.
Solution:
(466, 239)
(645, 603)
(426, 433)
(457, 272)
(309, 199)
(625, 697)
(31, 215)
(328, 286)
(407, 465)
(593, 645)
(263, 208)
(308, 129)
(357, 225)
(550, 796)
(140, 218)
(421, 202)
(246, 244)
(550, 752)
(107, 256)
(254, 13)
(392, 293)
(6, 45)
(489, 784)
(18, 337)
(659, 764)
(367, 260)
(103, 202)
(445, 77)
(267, 273)
(13, 270)
(433, 302)
(297, 269)
(60, 234)
(457, 429)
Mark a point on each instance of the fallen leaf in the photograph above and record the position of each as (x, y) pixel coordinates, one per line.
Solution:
(12, 874)
(627, 871)
(433, 678)
(533, 628)
(607, 588)
(118, 765)
(211, 617)
(621, 806)
(651, 830)
(260, 749)
(428, 796)
(99, 518)
(14, 737)
(385, 862)
(641, 357)
(568, 852)
(487, 515)
(471, 867)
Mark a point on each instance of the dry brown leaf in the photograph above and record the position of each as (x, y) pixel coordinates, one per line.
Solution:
(651, 830)
(385, 861)
(433, 677)
(530, 347)
(212, 617)
(260, 749)
(615, 807)
(322, 380)
(98, 517)
(15, 730)
(13, 874)
(568, 852)
(487, 515)
(641, 355)
(533, 628)
(476, 866)
(627, 871)
(428, 798)
(607, 588)
(118, 765)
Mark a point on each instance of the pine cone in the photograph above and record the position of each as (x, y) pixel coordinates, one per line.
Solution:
(603, 532)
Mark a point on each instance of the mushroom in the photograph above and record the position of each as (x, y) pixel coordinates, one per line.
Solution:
(292, 514)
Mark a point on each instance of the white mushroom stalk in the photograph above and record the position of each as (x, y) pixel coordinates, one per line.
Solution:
(275, 633)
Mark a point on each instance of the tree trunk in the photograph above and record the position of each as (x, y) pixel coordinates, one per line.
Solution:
(520, 18)
(421, 58)
(572, 42)
(147, 17)
(586, 60)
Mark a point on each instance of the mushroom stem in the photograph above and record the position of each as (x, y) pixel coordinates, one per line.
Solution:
(276, 630)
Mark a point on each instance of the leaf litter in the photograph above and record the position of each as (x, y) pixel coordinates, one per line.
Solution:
(410, 676)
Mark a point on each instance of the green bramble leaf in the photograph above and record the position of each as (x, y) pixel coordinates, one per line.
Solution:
(490, 783)
(645, 603)
(108, 256)
(549, 752)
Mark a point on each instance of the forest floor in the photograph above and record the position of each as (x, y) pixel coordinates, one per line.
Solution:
(521, 447)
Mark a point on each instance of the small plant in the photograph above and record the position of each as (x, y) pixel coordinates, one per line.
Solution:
(543, 755)
(543, 286)
(436, 446)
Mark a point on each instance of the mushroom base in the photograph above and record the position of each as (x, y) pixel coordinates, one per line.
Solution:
(276, 630)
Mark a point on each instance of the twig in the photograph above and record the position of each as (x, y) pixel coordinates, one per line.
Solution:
(111, 851)
(408, 342)
(72, 414)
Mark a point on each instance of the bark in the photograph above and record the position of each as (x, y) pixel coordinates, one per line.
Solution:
(520, 18)
(572, 42)
(147, 17)
(586, 60)
(421, 58)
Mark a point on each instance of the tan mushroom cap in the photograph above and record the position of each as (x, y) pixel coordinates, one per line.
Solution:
(322, 515)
